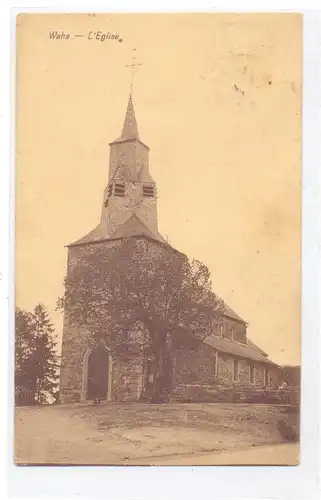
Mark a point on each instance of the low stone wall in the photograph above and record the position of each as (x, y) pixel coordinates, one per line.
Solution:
(235, 394)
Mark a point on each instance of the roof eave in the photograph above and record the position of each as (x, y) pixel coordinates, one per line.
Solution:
(128, 139)
(239, 320)
(110, 239)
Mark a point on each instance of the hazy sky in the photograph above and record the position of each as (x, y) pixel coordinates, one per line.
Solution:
(218, 101)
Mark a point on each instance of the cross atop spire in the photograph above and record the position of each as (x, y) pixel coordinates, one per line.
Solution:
(133, 66)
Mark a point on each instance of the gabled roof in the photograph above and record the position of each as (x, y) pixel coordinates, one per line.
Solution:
(246, 351)
(250, 343)
(97, 234)
(232, 314)
(133, 226)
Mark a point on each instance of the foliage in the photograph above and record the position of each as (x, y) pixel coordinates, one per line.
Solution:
(291, 375)
(288, 431)
(36, 360)
(56, 397)
(140, 296)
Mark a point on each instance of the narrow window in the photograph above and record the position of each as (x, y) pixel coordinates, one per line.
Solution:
(236, 371)
(119, 189)
(252, 373)
(148, 191)
(215, 363)
(233, 332)
(222, 329)
(266, 376)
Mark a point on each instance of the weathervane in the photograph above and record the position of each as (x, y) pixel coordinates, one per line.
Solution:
(133, 66)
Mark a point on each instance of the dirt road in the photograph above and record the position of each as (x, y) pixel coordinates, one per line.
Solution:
(279, 454)
(128, 433)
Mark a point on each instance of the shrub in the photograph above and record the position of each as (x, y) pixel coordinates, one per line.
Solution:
(287, 431)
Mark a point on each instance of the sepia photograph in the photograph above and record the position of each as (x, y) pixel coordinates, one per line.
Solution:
(158, 239)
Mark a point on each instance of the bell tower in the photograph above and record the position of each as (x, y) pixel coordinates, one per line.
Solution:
(129, 205)
(130, 189)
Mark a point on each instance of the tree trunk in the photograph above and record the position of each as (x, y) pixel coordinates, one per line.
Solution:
(162, 384)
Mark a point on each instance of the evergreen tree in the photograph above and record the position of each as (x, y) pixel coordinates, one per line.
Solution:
(24, 340)
(36, 357)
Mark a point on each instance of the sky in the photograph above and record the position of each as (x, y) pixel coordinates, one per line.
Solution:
(218, 101)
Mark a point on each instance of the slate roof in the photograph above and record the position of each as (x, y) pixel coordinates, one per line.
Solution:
(97, 234)
(232, 314)
(133, 226)
(130, 128)
(250, 343)
(246, 351)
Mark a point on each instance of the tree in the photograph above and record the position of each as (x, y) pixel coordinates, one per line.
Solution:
(23, 352)
(290, 374)
(56, 397)
(138, 296)
(35, 357)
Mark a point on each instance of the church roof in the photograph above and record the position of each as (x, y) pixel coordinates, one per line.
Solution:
(97, 234)
(250, 343)
(232, 314)
(130, 128)
(133, 226)
(247, 351)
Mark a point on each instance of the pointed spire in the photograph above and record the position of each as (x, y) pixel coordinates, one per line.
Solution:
(130, 129)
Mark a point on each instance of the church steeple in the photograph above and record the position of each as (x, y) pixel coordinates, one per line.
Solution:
(131, 191)
(130, 203)
(130, 129)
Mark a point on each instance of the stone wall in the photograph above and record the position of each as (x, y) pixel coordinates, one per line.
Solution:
(74, 347)
(120, 208)
(127, 373)
(127, 158)
(201, 364)
(198, 365)
(236, 394)
(191, 365)
(127, 379)
(126, 383)
(132, 154)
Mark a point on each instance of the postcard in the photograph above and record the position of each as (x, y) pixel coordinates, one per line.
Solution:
(158, 239)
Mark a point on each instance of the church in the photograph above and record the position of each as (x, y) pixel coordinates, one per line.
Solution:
(129, 210)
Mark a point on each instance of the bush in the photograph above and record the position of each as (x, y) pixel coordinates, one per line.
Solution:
(287, 431)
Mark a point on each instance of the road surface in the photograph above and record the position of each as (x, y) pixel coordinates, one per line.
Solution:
(279, 454)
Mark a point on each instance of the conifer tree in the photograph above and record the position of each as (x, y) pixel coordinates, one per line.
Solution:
(24, 340)
(36, 357)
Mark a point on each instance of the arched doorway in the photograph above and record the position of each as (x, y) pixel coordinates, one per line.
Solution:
(98, 374)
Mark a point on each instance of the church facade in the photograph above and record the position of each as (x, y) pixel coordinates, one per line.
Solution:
(129, 210)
